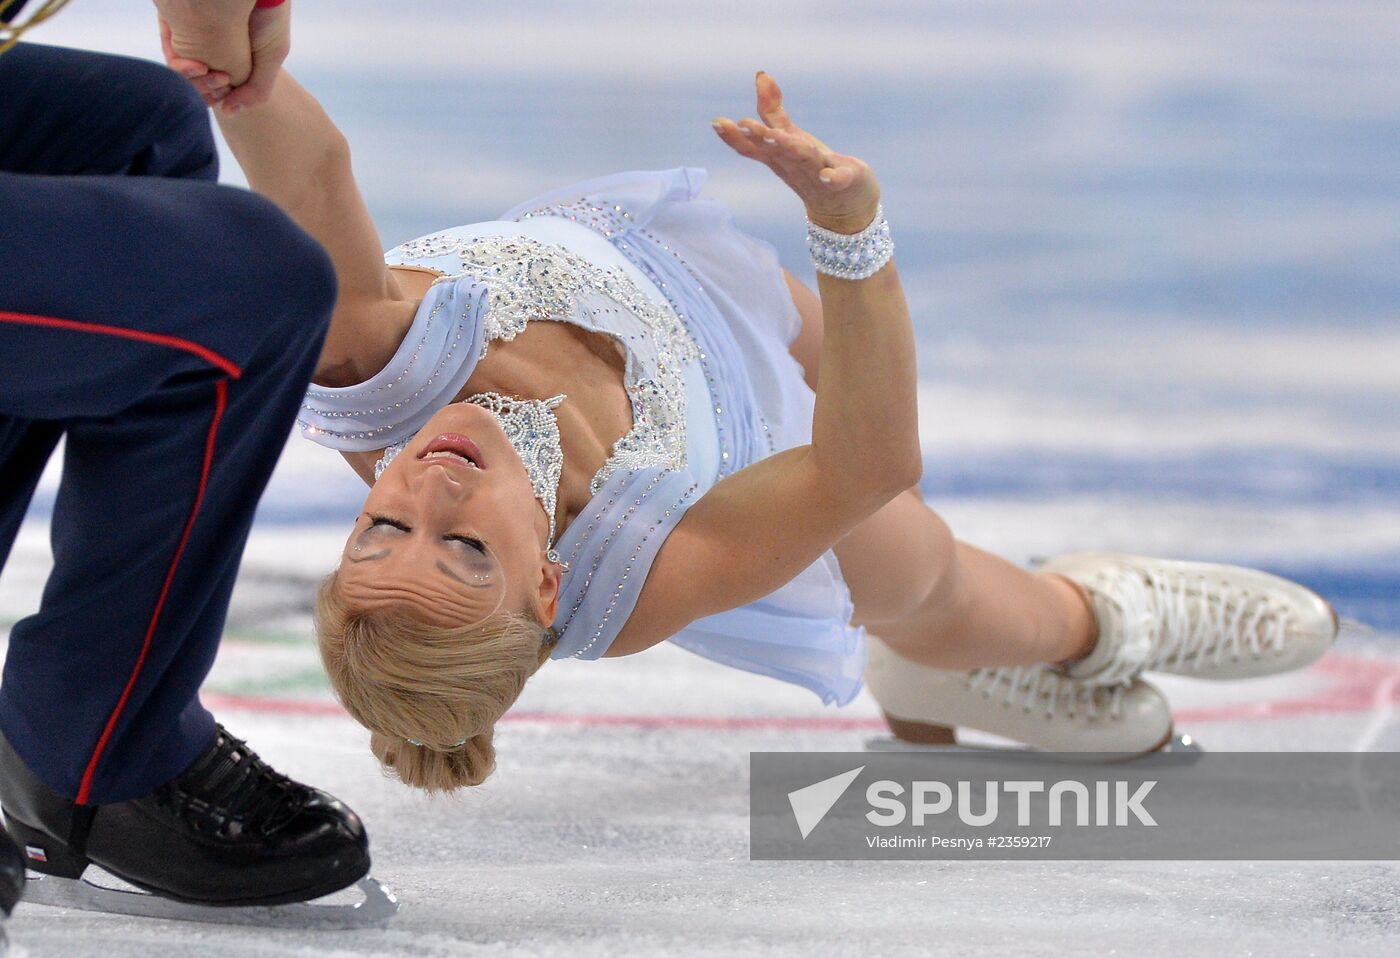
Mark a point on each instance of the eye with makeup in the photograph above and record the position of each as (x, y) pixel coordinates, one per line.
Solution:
(476, 544)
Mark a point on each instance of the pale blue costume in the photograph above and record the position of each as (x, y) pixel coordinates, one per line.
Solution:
(706, 320)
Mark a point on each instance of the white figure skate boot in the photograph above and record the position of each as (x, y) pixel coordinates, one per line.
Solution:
(1194, 618)
(1036, 705)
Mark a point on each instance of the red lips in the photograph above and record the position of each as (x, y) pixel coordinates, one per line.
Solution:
(454, 442)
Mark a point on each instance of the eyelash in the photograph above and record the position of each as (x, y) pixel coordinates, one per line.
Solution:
(476, 544)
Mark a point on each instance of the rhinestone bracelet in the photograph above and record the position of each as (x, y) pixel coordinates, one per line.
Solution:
(851, 255)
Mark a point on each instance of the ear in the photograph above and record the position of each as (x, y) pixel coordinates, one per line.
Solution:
(547, 598)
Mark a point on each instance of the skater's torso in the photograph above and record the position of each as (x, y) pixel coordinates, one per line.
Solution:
(539, 359)
(544, 360)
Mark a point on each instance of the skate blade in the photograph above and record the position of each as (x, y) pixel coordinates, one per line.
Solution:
(377, 908)
(1181, 743)
(1354, 627)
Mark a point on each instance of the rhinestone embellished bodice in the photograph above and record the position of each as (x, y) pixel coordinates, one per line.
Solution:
(532, 280)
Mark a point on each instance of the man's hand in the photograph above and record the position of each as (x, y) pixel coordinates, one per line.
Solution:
(230, 49)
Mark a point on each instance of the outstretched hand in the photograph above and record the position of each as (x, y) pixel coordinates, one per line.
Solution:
(231, 52)
(840, 191)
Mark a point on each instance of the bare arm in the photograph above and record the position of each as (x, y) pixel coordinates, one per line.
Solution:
(866, 406)
(294, 155)
(757, 529)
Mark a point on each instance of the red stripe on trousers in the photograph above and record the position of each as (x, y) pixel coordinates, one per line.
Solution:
(220, 403)
(232, 370)
(159, 339)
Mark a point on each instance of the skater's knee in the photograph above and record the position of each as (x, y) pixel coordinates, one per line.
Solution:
(169, 96)
(306, 279)
(273, 266)
(179, 136)
(898, 562)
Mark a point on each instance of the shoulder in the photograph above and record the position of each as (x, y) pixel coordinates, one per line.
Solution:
(675, 591)
(662, 610)
(611, 549)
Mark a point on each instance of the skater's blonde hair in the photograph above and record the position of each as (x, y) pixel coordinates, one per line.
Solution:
(409, 681)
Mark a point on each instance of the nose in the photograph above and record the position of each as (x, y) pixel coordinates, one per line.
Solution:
(436, 483)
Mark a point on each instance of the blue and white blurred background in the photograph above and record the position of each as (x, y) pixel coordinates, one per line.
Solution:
(1153, 249)
(1153, 254)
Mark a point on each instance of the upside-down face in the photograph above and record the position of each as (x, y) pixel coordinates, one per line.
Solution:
(452, 529)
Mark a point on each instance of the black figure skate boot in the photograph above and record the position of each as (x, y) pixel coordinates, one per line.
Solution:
(11, 873)
(229, 831)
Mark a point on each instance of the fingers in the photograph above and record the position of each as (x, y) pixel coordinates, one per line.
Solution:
(834, 187)
(751, 138)
(187, 67)
(802, 160)
(770, 102)
(802, 150)
(758, 133)
(255, 91)
(798, 141)
(211, 85)
(790, 150)
(269, 32)
(737, 138)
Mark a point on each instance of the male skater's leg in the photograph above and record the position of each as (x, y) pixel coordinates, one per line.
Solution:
(24, 448)
(168, 327)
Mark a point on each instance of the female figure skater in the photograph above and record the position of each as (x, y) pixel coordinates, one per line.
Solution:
(610, 419)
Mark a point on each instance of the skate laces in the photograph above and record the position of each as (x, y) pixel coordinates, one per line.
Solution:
(1189, 621)
(231, 782)
(1038, 688)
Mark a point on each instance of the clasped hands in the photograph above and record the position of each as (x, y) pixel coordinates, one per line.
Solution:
(231, 50)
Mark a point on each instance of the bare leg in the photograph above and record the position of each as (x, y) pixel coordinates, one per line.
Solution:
(946, 603)
(938, 600)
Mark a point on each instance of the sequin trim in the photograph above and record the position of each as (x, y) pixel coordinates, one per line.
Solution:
(530, 280)
(444, 363)
(615, 221)
(602, 549)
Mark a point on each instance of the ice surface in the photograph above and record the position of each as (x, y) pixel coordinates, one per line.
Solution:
(1150, 251)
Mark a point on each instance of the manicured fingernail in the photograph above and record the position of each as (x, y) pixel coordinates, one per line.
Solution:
(746, 131)
(716, 124)
(824, 176)
(769, 140)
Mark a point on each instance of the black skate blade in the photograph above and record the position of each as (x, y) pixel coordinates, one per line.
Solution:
(375, 910)
(1181, 743)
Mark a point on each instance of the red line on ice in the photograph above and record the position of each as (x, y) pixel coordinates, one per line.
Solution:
(1352, 686)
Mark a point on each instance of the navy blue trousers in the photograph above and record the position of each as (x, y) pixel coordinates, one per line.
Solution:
(166, 327)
